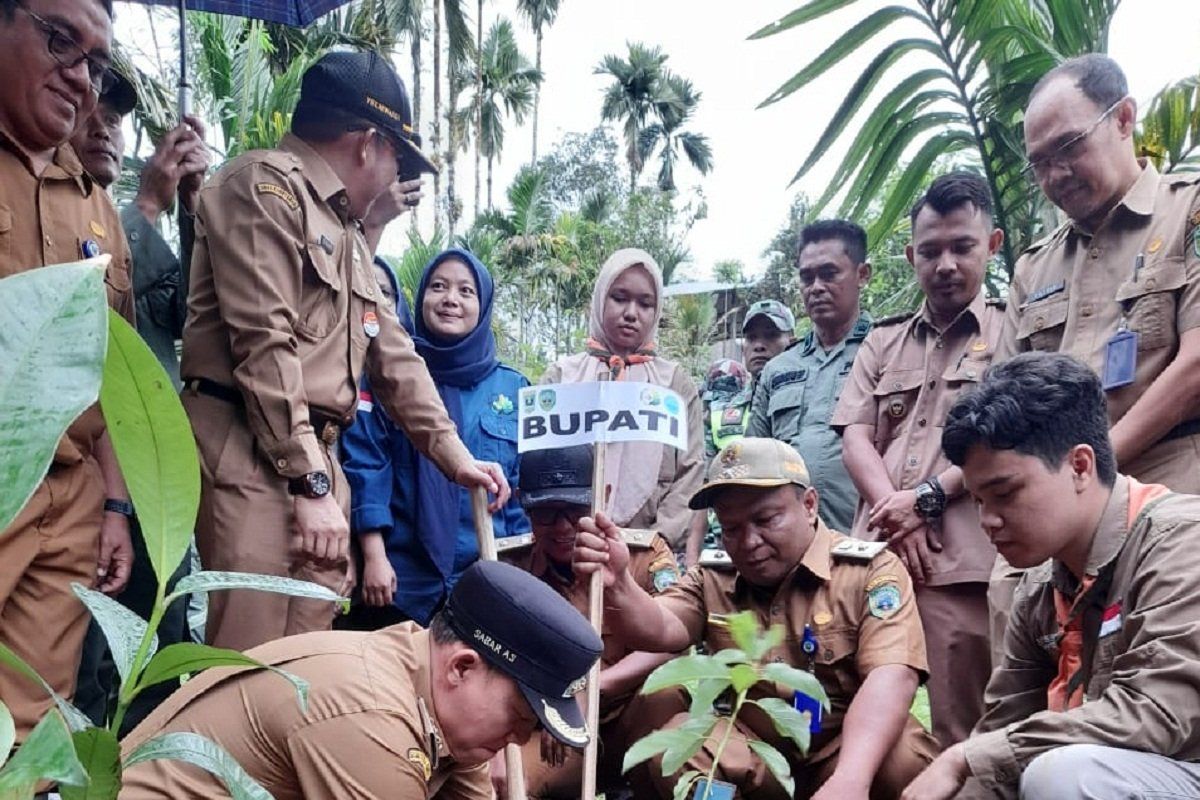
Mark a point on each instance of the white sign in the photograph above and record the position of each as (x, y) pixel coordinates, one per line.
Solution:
(566, 414)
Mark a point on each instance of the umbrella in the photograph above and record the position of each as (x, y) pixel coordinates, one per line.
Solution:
(296, 13)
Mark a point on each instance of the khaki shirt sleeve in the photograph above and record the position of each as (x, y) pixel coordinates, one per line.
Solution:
(401, 382)
(359, 755)
(686, 601)
(474, 783)
(672, 517)
(1008, 346)
(1150, 703)
(898, 639)
(857, 403)
(760, 419)
(655, 569)
(1188, 307)
(255, 248)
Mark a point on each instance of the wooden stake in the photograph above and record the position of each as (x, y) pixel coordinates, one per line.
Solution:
(596, 617)
(486, 538)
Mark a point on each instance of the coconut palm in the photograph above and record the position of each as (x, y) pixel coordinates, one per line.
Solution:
(451, 13)
(639, 95)
(540, 14)
(988, 54)
(668, 135)
(507, 89)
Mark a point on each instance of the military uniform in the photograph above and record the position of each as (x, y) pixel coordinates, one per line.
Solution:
(794, 401)
(283, 316)
(836, 596)
(59, 216)
(904, 380)
(623, 718)
(1138, 624)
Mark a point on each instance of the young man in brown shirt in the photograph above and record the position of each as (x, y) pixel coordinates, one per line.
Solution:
(905, 376)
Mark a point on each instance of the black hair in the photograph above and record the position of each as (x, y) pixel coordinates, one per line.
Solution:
(1038, 404)
(9, 7)
(953, 190)
(440, 630)
(851, 235)
(315, 122)
(1096, 75)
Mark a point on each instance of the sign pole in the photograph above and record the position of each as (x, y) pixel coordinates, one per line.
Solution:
(486, 538)
(596, 616)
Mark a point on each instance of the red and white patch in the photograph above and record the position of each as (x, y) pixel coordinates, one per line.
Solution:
(365, 401)
(1110, 623)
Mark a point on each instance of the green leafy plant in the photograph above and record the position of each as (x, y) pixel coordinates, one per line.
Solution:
(154, 445)
(735, 671)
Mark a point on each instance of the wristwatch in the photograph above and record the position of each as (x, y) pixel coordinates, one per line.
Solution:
(122, 507)
(312, 485)
(931, 499)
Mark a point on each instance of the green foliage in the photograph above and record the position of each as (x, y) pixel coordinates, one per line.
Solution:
(53, 342)
(735, 672)
(48, 753)
(203, 753)
(100, 754)
(1170, 127)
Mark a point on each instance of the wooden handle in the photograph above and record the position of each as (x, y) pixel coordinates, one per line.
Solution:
(591, 753)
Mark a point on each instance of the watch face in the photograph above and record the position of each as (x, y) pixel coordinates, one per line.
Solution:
(318, 484)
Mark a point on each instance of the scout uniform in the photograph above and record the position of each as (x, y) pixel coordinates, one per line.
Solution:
(904, 380)
(1137, 674)
(284, 314)
(60, 216)
(793, 402)
(1139, 272)
(371, 728)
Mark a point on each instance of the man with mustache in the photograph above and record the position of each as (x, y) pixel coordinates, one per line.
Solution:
(55, 60)
(797, 391)
(905, 377)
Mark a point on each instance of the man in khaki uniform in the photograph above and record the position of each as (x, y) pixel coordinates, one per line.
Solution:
(556, 491)
(401, 712)
(905, 376)
(1096, 694)
(846, 607)
(54, 57)
(283, 317)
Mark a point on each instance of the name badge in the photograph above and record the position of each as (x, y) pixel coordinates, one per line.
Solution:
(718, 791)
(1120, 359)
(802, 702)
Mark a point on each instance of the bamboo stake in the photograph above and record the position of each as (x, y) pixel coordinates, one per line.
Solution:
(596, 617)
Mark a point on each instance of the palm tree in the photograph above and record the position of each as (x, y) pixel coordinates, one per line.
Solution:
(667, 133)
(507, 88)
(989, 53)
(540, 14)
(638, 94)
(458, 48)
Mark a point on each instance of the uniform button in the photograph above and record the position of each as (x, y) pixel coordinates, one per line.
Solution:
(1094, 253)
(1039, 323)
(971, 374)
(932, 384)
(896, 386)
(342, 201)
(1151, 283)
(828, 654)
(777, 660)
(133, 237)
(939, 344)
(922, 423)
(912, 461)
(49, 241)
(281, 463)
(1086, 309)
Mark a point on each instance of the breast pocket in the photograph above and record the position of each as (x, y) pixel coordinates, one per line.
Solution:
(318, 313)
(835, 667)
(1150, 301)
(1041, 325)
(499, 437)
(786, 403)
(895, 398)
(967, 373)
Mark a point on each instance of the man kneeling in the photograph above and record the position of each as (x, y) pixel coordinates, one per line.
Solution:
(1096, 693)
(846, 606)
(401, 712)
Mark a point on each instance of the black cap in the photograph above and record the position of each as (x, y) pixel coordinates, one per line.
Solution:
(559, 475)
(122, 96)
(529, 632)
(366, 85)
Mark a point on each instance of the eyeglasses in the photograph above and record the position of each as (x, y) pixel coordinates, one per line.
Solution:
(1069, 151)
(67, 52)
(549, 516)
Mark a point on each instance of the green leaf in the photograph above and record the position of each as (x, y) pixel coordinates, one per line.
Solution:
(743, 676)
(211, 581)
(791, 723)
(100, 754)
(806, 13)
(704, 693)
(123, 629)
(683, 784)
(776, 763)
(797, 680)
(187, 657)
(683, 670)
(698, 728)
(154, 444)
(730, 655)
(905, 190)
(652, 744)
(204, 753)
(76, 719)
(47, 754)
(743, 627)
(51, 351)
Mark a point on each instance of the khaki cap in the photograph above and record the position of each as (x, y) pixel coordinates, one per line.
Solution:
(751, 462)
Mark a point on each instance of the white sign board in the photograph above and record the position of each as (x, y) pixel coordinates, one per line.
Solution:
(566, 414)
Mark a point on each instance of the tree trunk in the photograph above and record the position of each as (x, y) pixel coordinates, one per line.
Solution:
(451, 154)
(537, 96)
(436, 139)
(489, 180)
(477, 116)
(416, 97)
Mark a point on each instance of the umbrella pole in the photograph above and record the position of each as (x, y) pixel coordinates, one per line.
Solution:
(185, 88)
(486, 538)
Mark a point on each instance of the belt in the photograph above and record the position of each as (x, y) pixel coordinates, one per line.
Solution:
(1189, 428)
(327, 426)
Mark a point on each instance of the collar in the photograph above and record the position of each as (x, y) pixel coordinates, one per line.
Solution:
(65, 164)
(974, 310)
(1139, 200)
(862, 327)
(816, 563)
(316, 170)
(423, 683)
(1110, 535)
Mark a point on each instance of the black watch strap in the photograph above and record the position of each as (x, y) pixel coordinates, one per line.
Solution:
(312, 485)
(122, 507)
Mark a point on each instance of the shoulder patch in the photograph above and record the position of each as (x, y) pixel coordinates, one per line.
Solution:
(664, 577)
(418, 757)
(639, 538)
(715, 559)
(884, 599)
(857, 549)
(507, 543)
(895, 319)
(283, 194)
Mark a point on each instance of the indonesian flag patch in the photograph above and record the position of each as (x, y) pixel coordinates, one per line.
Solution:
(1110, 623)
(365, 401)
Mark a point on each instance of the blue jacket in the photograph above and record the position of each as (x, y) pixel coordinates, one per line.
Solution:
(378, 460)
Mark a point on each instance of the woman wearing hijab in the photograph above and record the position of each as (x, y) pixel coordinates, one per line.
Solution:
(413, 525)
(655, 481)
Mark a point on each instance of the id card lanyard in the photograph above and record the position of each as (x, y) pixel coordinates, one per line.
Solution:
(1120, 352)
